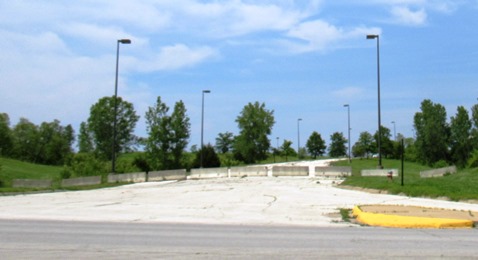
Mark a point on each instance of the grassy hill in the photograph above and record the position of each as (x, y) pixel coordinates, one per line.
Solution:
(14, 169)
(460, 186)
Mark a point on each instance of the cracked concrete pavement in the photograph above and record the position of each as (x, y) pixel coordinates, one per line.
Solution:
(245, 201)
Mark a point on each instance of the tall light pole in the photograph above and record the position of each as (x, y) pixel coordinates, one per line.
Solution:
(370, 37)
(202, 126)
(394, 131)
(348, 113)
(122, 41)
(298, 136)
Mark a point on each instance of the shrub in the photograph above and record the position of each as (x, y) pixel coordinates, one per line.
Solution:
(440, 164)
(473, 161)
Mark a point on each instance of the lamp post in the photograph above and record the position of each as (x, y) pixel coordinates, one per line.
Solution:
(298, 137)
(394, 131)
(122, 41)
(348, 115)
(202, 127)
(371, 37)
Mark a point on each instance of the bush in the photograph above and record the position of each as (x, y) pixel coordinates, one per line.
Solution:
(440, 164)
(210, 158)
(473, 161)
(85, 164)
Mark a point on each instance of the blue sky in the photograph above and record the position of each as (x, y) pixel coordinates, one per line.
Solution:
(303, 59)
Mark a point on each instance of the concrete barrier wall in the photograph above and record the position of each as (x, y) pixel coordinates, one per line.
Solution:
(31, 183)
(438, 172)
(205, 173)
(168, 175)
(127, 177)
(333, 171)
(251, 171)
(379, 172)
(82, 181)
(290, 170)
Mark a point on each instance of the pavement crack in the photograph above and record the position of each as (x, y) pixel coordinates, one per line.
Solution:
(269, 204)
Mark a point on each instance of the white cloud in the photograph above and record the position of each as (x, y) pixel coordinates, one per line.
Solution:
(348, 93)
(319, 35)
(405, 15)
(176, 57)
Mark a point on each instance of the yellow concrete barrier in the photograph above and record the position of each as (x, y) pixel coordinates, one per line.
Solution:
(384, 220)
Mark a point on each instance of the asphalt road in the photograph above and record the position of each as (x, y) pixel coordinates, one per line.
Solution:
(30, 239)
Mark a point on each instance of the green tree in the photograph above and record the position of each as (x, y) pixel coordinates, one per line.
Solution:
(316, 145)
(474, 130)
(85, 140)
(180, 132)
(158, 142)
(255, 124)
(460, 132)
(224, 142)
(25, 140)
(386, 144)
(210, 158)
(55, 143)
(6, 139)
(432, 133)
(101, 123)
(287, 149)
(337, 146)
(364, 145)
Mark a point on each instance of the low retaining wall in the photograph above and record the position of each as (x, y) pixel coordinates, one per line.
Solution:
(379, 172)
(333, 171)
(438, 172)
(31, 183)
(127, 177)
(206, 173)
(290, 171)
(82, 181)
(169, 175)
(252, 171)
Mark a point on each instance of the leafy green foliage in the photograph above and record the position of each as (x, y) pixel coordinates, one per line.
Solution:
(255, 123)
(224, 142)
(6, 139)
(167, 135)
(287, 150)
(101, 125)
(316, 145)
(460, 131)
(386, 145)
(364, 146)
(210, 158)
(337, 146)
(432, 133)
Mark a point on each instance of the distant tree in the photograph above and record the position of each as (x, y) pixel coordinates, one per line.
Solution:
(386, 143)
(287, 150)
(101, 123)
(210, 158)
(460, 132)
(158, 144)
(25, 140)
(180, 132)
(85, 139)
(255, 124)
(55, 143)
(6, 139)
(364, 145)
(432, 133)
(474, 130)
(316, 145)
(224, 142)
(337, 146)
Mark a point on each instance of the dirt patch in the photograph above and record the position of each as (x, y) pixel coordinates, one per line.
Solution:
(420, 212)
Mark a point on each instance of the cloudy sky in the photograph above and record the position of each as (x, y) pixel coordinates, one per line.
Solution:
(303, 59)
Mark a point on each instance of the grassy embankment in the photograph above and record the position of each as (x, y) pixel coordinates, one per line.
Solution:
(460, 186)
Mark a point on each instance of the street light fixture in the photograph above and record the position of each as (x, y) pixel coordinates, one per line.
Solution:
(371, 37)
(122, 41)
(298, 137)
(348, 113)
(202, 126)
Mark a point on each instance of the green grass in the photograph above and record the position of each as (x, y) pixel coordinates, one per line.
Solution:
(14, 169)
(460, 186)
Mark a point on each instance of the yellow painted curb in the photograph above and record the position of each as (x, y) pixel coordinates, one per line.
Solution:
(385, 220)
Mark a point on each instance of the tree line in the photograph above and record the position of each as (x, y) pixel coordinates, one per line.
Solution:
(168, 133)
